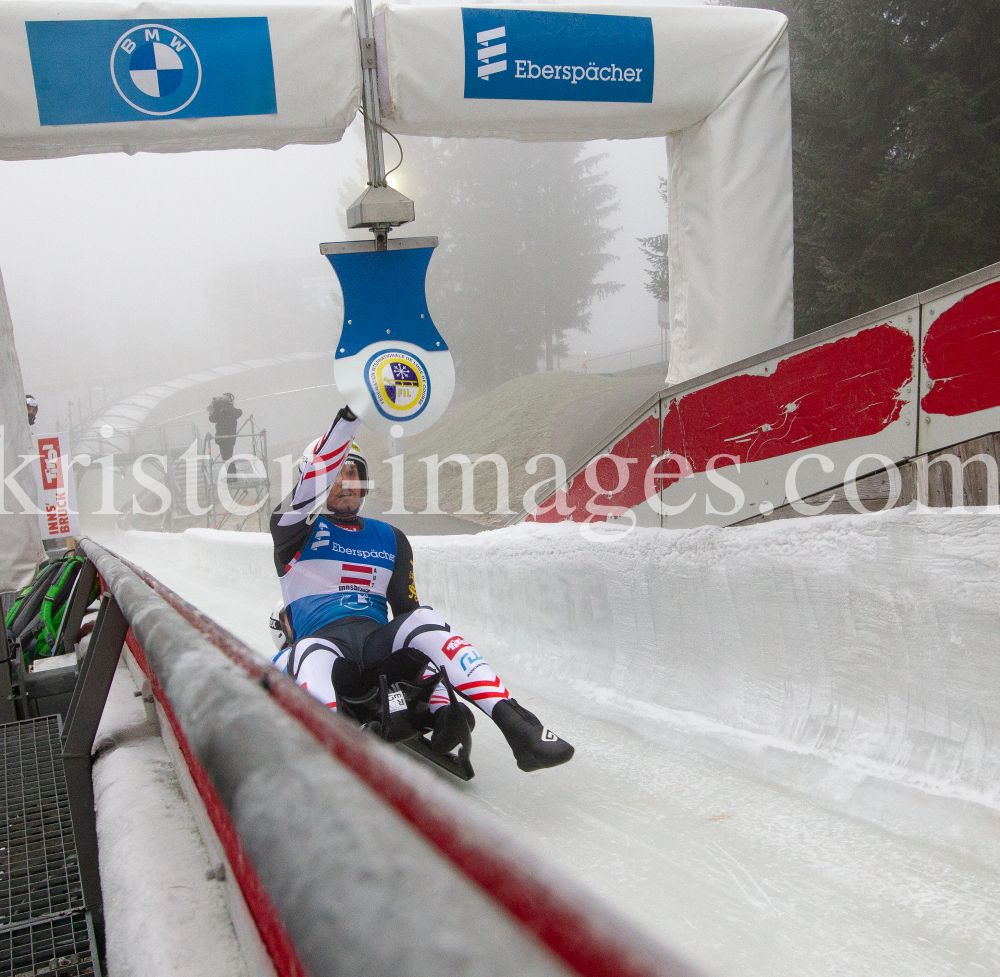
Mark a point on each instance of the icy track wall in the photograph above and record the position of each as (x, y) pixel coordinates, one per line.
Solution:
(421, 884)
(868, 641)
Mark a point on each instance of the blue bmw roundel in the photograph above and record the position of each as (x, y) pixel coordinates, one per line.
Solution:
(155, 69)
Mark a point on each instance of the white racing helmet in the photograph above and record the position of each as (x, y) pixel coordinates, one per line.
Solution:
(354, 455)
(278, 635)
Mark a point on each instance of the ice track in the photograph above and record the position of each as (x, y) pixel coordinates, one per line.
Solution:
(788, 735)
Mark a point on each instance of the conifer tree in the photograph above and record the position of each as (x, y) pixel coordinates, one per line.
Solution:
(655, 250)
(896, 141)
(523, 230)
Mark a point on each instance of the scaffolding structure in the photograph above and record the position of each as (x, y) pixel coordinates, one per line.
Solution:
(205, 490)
(238, 490)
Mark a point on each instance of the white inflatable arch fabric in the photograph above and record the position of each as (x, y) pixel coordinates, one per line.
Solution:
(20, 538)
(255, 75)
(74, 79)
(720, 93)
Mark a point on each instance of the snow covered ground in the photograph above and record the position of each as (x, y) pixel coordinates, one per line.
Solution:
(163, 915)
(788, 735)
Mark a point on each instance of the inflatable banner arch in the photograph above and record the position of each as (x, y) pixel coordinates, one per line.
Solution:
(714, 80)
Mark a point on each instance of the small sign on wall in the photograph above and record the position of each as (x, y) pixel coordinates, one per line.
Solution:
(56, 491)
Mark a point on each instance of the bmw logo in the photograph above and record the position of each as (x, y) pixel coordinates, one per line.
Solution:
(155, 69)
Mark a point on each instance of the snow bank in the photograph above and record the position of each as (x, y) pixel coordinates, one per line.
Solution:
(869, 641)
(163, 916)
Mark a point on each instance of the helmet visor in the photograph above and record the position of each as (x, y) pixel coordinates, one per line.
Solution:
(354, 474)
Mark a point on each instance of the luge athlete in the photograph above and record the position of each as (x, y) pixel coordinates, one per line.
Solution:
(342, 574)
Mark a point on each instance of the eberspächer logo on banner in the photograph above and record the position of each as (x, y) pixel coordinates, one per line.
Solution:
(398, 383)
(487, 50)
(557, 57)
(155, 69)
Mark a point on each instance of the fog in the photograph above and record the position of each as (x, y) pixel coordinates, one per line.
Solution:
(125, 271)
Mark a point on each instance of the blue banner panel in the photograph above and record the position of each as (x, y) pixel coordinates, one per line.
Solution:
(89, 71)
(384, 297)
(557, 57)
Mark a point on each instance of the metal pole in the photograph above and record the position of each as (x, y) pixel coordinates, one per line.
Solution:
(380, 208)
(369, 94)
(8, 714)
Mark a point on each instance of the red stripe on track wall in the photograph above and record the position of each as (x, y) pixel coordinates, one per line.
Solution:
(638, 448)
(589, 939)
(844, 389)
(961, 352)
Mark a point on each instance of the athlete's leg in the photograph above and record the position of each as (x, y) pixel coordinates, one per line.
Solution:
(470, 674)
(534, 746)
(399, 660)
(451, 721)
(439, 697)
(310, 662)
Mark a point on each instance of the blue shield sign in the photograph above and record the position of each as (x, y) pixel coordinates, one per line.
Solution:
(392, 365)
(557, 57)
(88, 71)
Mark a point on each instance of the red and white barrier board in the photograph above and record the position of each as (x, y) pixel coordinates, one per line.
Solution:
(960, 353)
(792, 425)
(913, 377)
(56, 489)
(808, 416)
(614, 482)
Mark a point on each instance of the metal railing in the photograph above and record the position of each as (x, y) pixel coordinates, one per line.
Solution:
(629, 359)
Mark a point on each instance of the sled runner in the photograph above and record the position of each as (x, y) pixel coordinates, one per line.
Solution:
(400, 713)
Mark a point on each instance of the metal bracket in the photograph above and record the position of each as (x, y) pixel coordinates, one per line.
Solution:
(82, 719)
(368, 53)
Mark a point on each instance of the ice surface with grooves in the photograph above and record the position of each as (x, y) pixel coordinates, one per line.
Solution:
(788, 754)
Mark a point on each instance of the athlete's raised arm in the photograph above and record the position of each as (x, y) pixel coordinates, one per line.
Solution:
(320, 471)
